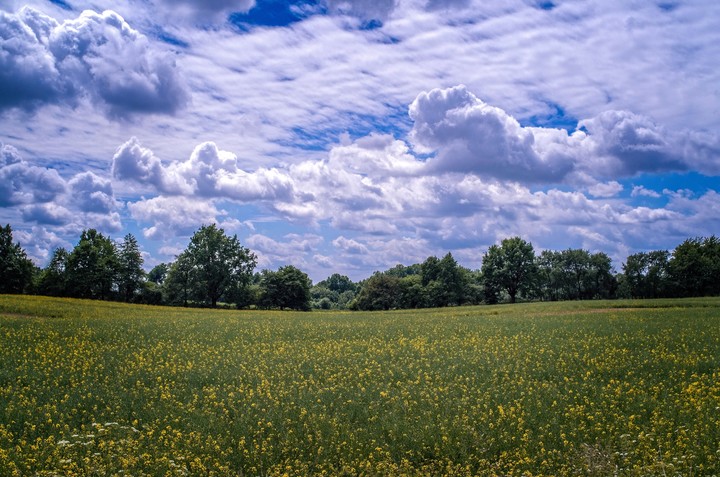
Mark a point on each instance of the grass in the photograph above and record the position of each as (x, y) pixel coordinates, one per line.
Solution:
(579, 388)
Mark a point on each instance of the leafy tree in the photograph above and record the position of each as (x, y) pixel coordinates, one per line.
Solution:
(338, 283)
(646, 274)
(509, 267)
(336, 291)
(53, 278)
(289, 287)
(177, 287)
(444, 281)
(150, 293)
(130, 272)
(379, 292)
(92, 267)
(158, 273)
(602, 275)
(412, 293)
(219, 264)
(695, 267)
(16, 269)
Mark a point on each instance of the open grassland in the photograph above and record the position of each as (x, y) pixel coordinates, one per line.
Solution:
(583, 388)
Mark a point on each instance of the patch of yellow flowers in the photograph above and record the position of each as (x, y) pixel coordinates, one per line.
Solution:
(95, 389)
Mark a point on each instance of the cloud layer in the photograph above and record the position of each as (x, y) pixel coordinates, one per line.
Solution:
(339, 136)
(95, 56)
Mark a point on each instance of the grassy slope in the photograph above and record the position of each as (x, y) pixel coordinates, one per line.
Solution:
(547, 389)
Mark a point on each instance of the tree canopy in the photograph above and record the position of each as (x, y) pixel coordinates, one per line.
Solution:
(216, 268)
(218, 264)
(16, 269)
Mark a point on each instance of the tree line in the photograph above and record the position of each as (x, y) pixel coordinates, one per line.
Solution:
(216, 269)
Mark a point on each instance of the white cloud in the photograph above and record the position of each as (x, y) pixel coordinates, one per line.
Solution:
(95, 55)
(173, 216)
(291, 249)
(91, 193)
(608, 189)
(23, 183)
(209, 172)
(39, 243)
(642, 191)
(350, 246)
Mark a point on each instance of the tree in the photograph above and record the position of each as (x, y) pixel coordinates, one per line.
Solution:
(53, 278)
(219, 264)
(695, 267)
(338, 283)
(130, 272)
(379, 292)
(509, 267)
(92, 267)
(646, 274)
(16, 269)
(289, 287)
(177, 287)
(158, 273)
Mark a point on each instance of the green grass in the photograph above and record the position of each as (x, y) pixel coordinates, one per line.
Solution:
(577, 388)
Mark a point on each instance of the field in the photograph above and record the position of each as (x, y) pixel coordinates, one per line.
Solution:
(583, 388)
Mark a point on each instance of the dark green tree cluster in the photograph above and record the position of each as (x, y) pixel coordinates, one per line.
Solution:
(16, 269)
(333, 293)
(288, 287)
(574, 274)
(214, 267)
(217, 268)
(97, 268)
(692, 269)
(434, 283)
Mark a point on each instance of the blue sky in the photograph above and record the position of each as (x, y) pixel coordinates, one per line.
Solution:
(349, 136)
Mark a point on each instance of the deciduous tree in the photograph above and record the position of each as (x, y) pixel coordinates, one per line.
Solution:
(16, 269)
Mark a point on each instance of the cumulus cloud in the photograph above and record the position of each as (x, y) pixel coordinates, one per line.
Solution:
(92, 193)
(95, 56)
(44, 197)
(609, 189)
(173, 216)
(350, 246)
(39, 242)
(47, 214)
(293, 249)
(209, 172)
(634, 143)
(471, 136)
(642, 191)
(206, 10)
(23, 183)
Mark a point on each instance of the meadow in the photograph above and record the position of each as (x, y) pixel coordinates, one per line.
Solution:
(625, 388)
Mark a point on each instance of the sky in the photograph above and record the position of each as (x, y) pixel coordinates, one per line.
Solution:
(350, 136)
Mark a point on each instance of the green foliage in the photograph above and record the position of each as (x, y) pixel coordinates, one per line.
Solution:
(218, 264)
(130, 272)
(158, 273)
(646, 275)
(92, 267)
(288, 287)
(52, 280)
(509, 267)
(379, 292)
(695, 267)
(178, 285)
(16, 269)
(574, 274)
